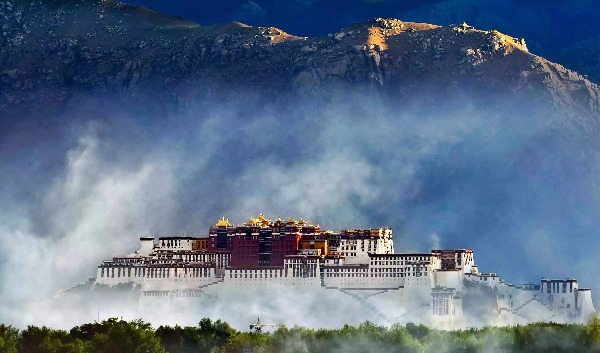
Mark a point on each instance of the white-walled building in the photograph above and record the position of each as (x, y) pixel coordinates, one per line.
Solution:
(442, 288)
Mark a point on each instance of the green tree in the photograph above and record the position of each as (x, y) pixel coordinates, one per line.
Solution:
(418, 331)
(86, 332)
(258, 342)
(171, 338)
(9, 339)
(207, 337)
(402, 341)
(592, 331)
(125, 337)
(46, 340)
(32, 338)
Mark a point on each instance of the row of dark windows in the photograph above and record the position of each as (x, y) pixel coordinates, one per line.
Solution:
(555, 287)
(152, 272)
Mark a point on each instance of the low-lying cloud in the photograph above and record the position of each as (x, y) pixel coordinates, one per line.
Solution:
(520, 192)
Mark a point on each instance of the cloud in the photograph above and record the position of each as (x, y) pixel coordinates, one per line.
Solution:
(464, 176)
(95, 210)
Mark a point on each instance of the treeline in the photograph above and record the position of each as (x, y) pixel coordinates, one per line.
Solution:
(118, 336)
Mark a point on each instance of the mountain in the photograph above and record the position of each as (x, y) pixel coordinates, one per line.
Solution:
(548, 26)
(53, 51)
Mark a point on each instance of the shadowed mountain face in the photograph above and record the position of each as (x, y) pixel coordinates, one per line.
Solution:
(54, 51)
(117, 122)
(548, 26)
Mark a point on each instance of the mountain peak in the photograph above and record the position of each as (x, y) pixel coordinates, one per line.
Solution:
(379, 30)
(121, 48)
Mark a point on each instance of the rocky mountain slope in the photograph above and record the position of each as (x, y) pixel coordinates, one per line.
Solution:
(53, 51)
(549, 26)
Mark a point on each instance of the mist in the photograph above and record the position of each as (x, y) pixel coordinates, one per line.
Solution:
(513, 183)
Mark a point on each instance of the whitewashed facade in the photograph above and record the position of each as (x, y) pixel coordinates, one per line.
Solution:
(437, 288)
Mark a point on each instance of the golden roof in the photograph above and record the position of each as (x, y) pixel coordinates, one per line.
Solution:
(261, 220)
(223, 222)
(251, 222)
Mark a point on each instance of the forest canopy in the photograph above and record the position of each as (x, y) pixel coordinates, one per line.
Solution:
(119, 336)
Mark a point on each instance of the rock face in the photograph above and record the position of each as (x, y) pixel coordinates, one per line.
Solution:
(549, 26)
(50, 52)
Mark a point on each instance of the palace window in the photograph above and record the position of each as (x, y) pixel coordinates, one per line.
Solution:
(440, 306)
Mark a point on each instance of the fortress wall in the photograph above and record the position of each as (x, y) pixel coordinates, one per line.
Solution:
(448, 279)
(585, 305)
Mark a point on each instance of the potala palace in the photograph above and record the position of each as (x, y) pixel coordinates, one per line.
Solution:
(359, 267)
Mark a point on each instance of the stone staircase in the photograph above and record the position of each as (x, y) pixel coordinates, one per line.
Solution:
(367, 304)
(533, 299)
